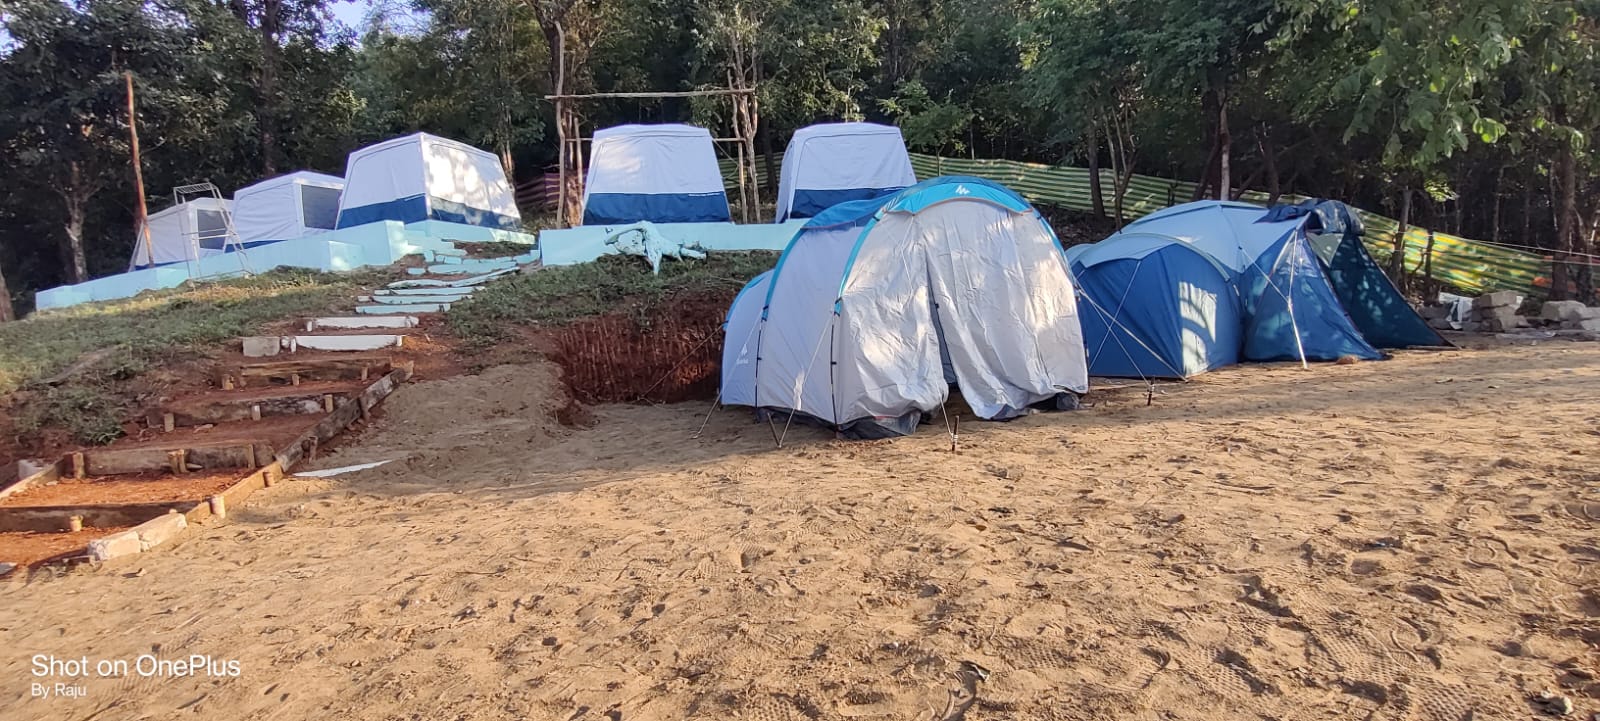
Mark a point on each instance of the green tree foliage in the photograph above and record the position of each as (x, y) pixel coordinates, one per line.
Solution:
(1472, 116)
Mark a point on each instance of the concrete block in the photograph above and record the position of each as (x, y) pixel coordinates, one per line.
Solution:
(416, 271)
(1498, 299)
(348, 342)
(260, 346)
(1561, 310)
(408, 299)
(1590, 324)
(387, 321)
(419, 283)
(443, 290)
(401, 309)
(116, 545)
(157, 531)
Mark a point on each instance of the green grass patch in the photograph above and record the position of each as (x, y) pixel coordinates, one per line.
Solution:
(614, 283)
(106, 344)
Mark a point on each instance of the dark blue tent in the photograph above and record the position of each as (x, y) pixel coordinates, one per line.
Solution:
(1155, 307)
(1372, 300)
(1291, 310)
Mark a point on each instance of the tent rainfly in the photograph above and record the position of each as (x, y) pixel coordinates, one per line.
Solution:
(426, 177)
(184, 232)
(1306, 290)
(1156, 308)
(660, 173)
(831, 163)
(877, 306)
(286, 207)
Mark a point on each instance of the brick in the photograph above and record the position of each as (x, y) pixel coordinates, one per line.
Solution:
(260, 346)
(116, 545)
(157, 531)
(1498, 299)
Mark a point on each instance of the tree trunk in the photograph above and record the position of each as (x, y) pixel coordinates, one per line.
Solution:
(7, 312)
(1494, 221)
(1569, 231)
(1097, 196)
(771, 161)
(1397, 257)
(77, 206)
(1224, 146)
(1209, 173)
(267, 84)
(1269, 159)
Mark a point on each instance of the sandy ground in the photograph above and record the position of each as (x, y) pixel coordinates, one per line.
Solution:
(1412, 539)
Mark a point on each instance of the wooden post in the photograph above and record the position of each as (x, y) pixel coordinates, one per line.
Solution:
(294, 379)
(177, 462)
(250, 455)
(141, 215)
(79, 468)
(168, 422)
(255, 412)
(327, 402)
(75, 524)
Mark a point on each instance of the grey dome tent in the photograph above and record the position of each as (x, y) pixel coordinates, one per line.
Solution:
(877, 307)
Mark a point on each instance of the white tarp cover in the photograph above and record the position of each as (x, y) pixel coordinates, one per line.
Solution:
(276, 208)
(653, 159)
(443, 177)
(182, 232)
(830, 159)
(873, 320)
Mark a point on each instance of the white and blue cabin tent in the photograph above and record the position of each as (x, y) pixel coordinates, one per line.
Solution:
(425, 177)
(877, 307)
(1155, 307)
(183, 233)
(286, 207)
(661, 173)
(832, 163)
(1291, 311)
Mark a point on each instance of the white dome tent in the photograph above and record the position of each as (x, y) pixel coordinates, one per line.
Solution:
(425, 177)
(286, 207)
(185, 232)
(832, 163)
(878, 306)
(660, 173)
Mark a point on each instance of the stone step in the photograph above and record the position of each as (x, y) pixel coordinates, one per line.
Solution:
(440, 290)
(382, 309)
(375, 341)
(331, 368)
(408, 299)
(472, 267)
(353, 323)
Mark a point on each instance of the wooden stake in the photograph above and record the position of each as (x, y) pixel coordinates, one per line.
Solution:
(227, 383)
(75, 524)
(79, 467)
(250, 455)
(294, 379)
(168, 422)
(364, 372)
(177, 461)
(219, 507)
(327, 402)
(141, 217)
(255, 412)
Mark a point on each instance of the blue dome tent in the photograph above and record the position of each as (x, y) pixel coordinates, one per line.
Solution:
(878, 306)
(1291, 310)
(1157, 308)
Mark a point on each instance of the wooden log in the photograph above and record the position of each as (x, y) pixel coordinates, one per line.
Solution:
(340, 368)
(215, 409)
(112, 462)
(44, 475)
(341, 418)
(50, 519)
